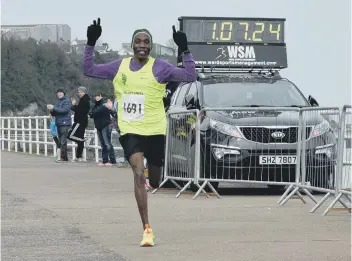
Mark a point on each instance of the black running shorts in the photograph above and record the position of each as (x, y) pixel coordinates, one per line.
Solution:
(152, 146)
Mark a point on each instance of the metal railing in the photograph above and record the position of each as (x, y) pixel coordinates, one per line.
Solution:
(322, 164)
(244, 150)
(179, 167)
(344, 163)
(317, 155)
(306, 149)
(298, 147)
(33, 135)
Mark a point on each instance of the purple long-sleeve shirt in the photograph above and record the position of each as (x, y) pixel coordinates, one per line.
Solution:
(163, 71)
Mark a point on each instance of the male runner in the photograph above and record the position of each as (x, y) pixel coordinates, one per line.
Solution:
(139, 84)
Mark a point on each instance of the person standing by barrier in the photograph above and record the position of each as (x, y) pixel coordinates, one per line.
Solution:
(102, 122)
(112, 106)
(53, 129)
(62, 113)
(139, 84)
(80, 119)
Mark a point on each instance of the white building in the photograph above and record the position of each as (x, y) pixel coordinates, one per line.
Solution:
(163, 50)
(40, 32)
(79, 45)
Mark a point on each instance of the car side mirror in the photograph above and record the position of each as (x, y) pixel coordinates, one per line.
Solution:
(313, 102)
(190, 102)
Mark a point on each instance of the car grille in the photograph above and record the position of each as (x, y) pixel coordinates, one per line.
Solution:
(263, 135)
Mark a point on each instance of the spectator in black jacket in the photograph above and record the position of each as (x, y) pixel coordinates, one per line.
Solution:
(103, 123)
(80, 119)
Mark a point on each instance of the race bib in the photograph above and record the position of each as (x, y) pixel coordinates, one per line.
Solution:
(133, 107)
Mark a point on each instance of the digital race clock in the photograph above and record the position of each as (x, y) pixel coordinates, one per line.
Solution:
(236, 42)
(238, 30)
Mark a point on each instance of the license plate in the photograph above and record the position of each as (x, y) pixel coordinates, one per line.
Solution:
(277, 160)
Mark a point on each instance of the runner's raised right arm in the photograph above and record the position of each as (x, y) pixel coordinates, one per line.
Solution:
(102, 71)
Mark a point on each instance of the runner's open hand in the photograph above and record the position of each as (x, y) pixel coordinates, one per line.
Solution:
(180, 40)
(93, 32)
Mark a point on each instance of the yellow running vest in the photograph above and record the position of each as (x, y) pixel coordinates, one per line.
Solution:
(140, 100)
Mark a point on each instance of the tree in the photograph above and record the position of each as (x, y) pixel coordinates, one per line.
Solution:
(170, 43)
(32, 71)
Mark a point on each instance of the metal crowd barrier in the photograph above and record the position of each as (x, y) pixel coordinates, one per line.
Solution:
(251, 155)
(202, 150)
(196, 154)
(33, 135)
(308, 157)
(320, 156)
(179, 163)
(344, 163)
(317, 156)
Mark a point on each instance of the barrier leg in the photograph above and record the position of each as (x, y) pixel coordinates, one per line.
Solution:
(163, 183)
(301, 197)
(183, 189)
(213, 189)
(176, 184)
(289, 196)
(285, 194)
(332, 204)
(348, 198)
(344, 204)
(318, 204)
(306, 191)
(201, 189)
(337, 198)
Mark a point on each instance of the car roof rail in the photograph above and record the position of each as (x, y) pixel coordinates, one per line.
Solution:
(239, 74)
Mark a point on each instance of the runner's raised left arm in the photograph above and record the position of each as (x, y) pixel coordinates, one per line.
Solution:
(172, 73)
(167, 72)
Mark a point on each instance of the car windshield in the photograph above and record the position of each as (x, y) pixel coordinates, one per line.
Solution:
(260, 93)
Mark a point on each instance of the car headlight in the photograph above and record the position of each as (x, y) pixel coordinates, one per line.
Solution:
(321, 128)
(226, 129)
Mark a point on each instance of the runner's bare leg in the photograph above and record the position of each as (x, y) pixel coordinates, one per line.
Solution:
(137, 164)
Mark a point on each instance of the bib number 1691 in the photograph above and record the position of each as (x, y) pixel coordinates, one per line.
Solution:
(132, 107)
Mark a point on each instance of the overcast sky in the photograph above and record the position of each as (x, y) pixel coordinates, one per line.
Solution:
(318, 33)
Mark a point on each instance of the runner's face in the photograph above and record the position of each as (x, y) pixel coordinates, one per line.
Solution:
(98, 98)
(141, 46)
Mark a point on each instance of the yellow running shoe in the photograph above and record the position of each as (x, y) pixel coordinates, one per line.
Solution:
(148, 237)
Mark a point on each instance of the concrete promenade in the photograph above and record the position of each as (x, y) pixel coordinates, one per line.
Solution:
(72, 212)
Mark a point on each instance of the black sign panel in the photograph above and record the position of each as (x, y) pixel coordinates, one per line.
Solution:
(233, 30)
(239, 56)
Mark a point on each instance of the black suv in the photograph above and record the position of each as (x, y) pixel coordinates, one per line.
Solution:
(248, 145)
